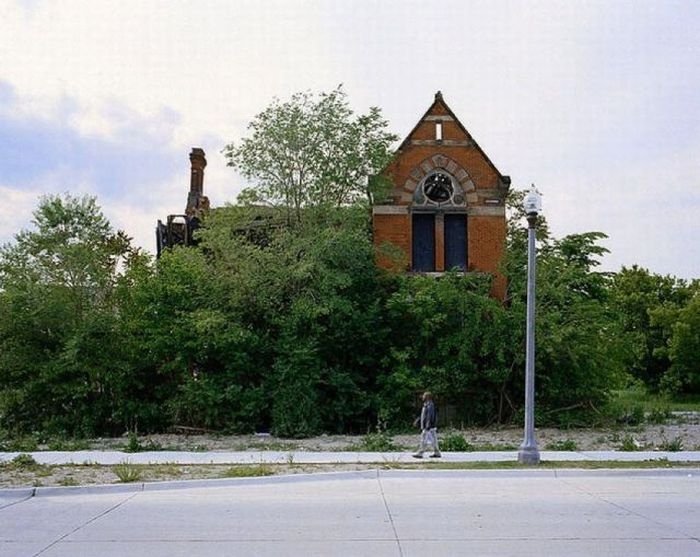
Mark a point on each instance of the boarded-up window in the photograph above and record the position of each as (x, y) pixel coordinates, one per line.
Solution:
(423, 242)
(456, 242)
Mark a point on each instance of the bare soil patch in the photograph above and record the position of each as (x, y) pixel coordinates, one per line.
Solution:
(682, 432)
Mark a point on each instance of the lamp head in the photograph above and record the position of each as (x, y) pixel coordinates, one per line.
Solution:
(533, 202)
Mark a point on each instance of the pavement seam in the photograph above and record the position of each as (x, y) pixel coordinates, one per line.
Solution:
(93, 519)
(630, 511)
(388, 512)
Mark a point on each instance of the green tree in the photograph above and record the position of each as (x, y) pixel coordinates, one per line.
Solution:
(684, 375)
(60, 365)
(638, 295)
(310, 151)
(196, 355)
(312, 294)
(579, 355)
(679, 325)
(448, 336)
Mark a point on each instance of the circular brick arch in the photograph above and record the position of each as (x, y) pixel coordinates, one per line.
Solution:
(446, 164)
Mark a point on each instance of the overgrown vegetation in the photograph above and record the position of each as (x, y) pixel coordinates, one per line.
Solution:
(565, 445)
(280, 320)
(128, 472)
(453, 441)
(377, 442)
(249, 471)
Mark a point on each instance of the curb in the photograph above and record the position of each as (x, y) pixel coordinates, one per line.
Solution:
(18, 495)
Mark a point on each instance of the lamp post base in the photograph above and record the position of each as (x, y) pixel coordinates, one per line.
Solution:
(529, 455)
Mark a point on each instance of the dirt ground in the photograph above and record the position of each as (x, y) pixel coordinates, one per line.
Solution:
(682, 432)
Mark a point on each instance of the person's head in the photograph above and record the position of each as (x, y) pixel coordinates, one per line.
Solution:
(427, 395)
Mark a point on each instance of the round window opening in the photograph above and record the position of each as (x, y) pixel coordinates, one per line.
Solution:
(438, 187)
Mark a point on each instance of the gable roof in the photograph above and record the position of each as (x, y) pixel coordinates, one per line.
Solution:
(440, 102)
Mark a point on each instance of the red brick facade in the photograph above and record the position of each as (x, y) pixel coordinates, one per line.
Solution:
(441, 153)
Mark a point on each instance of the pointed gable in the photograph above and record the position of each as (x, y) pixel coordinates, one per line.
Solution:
(439, 132)
(446, 205)
(453, 132)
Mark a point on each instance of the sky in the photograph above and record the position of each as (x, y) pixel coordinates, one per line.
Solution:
(595, 102)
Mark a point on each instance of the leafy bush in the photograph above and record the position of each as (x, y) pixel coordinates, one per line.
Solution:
(659, 415)
(565, 445)
(24, 461)
(134, 444)
(454, 442)
(60, 444)
(22, 444)
(378, 442)
(631, 415)
(629, 444)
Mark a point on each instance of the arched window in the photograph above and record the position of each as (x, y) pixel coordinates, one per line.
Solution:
(439, 224)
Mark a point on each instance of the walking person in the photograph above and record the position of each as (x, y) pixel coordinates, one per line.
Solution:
(428, 426)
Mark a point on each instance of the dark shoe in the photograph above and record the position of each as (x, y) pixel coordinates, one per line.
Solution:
(435, 455)
(417, 455)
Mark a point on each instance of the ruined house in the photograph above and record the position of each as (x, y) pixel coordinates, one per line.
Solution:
(445, 209)
(179, 229)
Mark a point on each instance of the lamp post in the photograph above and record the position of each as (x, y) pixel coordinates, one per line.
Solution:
(528, 453)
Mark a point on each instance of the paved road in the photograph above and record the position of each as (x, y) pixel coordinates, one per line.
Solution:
(387, 513)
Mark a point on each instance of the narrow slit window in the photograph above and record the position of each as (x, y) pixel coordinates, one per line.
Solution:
(438, 131)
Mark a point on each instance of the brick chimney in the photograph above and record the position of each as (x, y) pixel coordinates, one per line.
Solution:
(197, 202)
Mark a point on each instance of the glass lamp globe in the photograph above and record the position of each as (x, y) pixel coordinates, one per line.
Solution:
(533, 202)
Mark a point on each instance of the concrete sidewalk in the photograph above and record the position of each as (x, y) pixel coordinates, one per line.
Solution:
(378, 513)
(308, 457)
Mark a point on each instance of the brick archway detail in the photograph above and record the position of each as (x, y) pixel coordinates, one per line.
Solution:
(439, 162)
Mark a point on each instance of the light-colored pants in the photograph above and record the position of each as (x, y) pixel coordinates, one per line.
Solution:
(428, 438)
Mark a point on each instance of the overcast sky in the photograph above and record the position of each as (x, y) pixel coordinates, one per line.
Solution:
(596, 102)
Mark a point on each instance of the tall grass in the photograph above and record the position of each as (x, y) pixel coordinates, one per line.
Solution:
(653, 402)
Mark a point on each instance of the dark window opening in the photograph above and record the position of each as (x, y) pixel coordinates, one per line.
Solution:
(438, 187)
(456, 242)
(423, 242)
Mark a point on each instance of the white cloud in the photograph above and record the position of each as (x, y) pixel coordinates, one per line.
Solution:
(590, 100)
(209, 60)
(15, 211)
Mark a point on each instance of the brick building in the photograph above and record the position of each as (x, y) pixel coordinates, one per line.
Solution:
(445, 209)
(446, 206)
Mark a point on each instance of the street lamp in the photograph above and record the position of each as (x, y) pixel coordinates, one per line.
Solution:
(528, 453)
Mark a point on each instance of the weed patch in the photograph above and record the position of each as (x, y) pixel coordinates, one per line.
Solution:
(455, 442)
(248, 471)
(565, 445)
(380, 442)
(127, 472)
(674, 445)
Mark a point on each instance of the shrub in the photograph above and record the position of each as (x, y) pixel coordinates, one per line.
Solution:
(659, 415)
(134, 444)
(566, 445)
(455, 442)
(24, 461)
(631, 415)
(23, 444)
(378, 442)
(629, 444)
